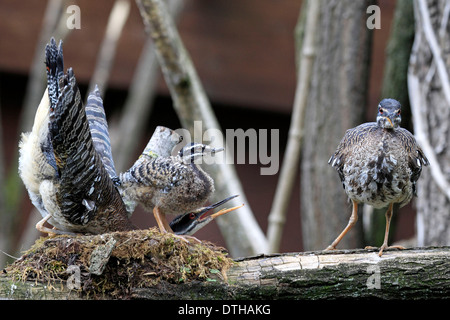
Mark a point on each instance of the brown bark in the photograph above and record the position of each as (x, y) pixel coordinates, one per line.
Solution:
(429, 90)
(336, 103)
(420, 273)
(241, 231)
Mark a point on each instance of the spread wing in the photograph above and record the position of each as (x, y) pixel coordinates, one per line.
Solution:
(54, 63)
(85, 185)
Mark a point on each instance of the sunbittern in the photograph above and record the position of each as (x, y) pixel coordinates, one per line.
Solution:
(67, 167)
(168, 185)
(379, 164)
(66, 177)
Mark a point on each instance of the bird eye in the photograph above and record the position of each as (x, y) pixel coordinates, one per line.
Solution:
(191, 215)
(380, 111)
(399, 112)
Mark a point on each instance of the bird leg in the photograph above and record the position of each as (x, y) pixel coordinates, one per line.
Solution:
(389, 213)
(161, 220)
(351, 223)
(51, 232)
(164, 227)
(40, 226)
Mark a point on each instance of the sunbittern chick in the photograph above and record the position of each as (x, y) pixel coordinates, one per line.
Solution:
(189, 223)
(66, 162)
(379, 164)
(169, 185)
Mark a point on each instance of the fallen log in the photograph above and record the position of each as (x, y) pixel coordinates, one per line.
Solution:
(145, 264)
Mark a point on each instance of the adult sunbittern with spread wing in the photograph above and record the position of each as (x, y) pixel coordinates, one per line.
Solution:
(67, 167)
(379, 164)
(168, 185)
(61, 165)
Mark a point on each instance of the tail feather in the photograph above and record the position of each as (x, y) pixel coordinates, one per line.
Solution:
(85, 186)
(54, 62)
(98, 125)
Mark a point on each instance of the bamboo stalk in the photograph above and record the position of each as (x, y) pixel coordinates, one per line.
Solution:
(138, 106)
(289, 167)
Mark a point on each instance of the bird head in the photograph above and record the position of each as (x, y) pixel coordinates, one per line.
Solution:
(194, 151)
(190, 222)
(389, 114)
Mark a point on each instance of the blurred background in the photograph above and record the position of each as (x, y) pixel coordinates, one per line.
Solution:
(244, 53)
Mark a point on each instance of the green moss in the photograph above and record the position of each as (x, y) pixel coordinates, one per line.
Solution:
(141, 258)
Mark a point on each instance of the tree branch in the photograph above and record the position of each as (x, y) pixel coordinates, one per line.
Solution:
(417, 97)
(289, 167)
(116, 22)
(138, 105)
(241, 231)
(435, 48)
(419, 273)
(417, 103)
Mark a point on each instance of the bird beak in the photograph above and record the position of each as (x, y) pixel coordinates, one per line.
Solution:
(215, 150)
(388, 123)
(388, 119)
(221, 212)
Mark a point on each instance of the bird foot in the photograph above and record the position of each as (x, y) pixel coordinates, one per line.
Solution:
(329, 248)
(40, 226)
(190, 238)
(184, 238)
(383, 247)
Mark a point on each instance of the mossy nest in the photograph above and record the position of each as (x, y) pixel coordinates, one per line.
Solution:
(110, 265)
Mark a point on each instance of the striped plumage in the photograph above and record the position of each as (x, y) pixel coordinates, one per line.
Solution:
(87, 197)
(62, 170)
(379, 166)
(98, 125)
(168, 185)
(67, 167)
(379, 163)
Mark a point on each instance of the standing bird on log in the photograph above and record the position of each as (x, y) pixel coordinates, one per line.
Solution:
(67, 167)
(379, 164)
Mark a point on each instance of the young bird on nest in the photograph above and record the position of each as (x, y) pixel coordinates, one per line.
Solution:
(169, 185)
(67, 167)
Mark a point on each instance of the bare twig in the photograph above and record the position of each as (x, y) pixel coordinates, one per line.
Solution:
(138, 106)
(417, 103)
(430, 36)
(241, 231)
(116, 22)
(418, 100)
(289, 168)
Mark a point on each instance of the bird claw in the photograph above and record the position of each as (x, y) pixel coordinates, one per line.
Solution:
(383, 247)
(191, 238)
(184, 238)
